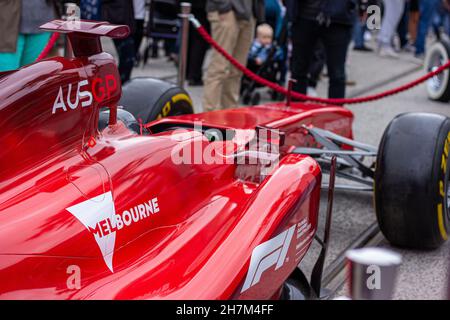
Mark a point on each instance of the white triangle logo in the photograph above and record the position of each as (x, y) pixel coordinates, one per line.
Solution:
(90, 213)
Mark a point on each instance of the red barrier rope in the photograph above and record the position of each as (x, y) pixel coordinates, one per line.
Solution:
(48, 47)
(295, 95)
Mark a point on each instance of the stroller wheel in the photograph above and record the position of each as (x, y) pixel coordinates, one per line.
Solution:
(256, 98)
(246, 97)
(276, 96)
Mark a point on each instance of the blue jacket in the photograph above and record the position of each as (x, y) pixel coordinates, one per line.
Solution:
(275, 10)
(257, 50)
(332, 11)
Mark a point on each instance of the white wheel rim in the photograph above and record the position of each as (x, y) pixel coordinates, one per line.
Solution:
(436, 57)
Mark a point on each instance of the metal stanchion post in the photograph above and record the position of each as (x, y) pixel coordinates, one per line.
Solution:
(185, 14)
(317, 273)
(72, 13)
(372, 273)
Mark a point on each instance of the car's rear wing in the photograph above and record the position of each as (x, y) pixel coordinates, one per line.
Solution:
(85, 36)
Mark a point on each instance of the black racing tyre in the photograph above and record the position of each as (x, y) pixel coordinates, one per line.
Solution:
(151, 99)
(412, 181)
(438, 87)
(122, 115)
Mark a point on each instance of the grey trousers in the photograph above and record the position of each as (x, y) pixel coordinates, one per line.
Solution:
(393, 12)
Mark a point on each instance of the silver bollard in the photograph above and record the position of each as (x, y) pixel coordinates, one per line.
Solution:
(72, 11)
(185, 14)
(72, 15)
(372, 273)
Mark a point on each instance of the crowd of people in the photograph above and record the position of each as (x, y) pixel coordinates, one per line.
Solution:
(301, 36)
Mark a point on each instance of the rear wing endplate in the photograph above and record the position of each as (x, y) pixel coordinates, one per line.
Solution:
(85, 36)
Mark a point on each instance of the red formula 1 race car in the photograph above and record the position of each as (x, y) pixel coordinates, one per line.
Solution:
(141, 206)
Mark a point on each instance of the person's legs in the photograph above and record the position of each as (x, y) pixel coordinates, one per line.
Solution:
(195, 56)
(11, 60)
(224, 29)
(427, 9)
(283, 66)
(197, 51)
(317, 64)
(126, 52)
(138, 35)
(155, 47)
(392, 14)
(304, 38)
(358, 32)
(170, 47)
(232, 84)
(413, 21)
(402, 28)
(336, 40)
(33, 46)
(447, 23)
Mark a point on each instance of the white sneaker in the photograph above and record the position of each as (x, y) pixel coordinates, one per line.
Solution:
(410, 48)
(419, 59)
(388, 52)
(311, 91)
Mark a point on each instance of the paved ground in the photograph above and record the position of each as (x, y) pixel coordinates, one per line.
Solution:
(423, 275)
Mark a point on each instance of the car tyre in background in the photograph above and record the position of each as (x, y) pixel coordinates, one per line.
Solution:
(122, 115)
(412, 181)
(151, 99)
(438, 87)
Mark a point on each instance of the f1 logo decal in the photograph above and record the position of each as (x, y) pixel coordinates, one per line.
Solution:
(266, 255)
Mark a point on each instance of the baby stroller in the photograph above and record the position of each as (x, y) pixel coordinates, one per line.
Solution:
(161, 24)
(273, 69)
(163, 20)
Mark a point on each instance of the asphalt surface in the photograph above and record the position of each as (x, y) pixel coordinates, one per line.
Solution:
(423, 275)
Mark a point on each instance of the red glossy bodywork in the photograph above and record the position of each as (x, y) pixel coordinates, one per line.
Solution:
(197, 246)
